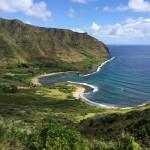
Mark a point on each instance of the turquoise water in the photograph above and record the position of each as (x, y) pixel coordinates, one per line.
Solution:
(122, 82)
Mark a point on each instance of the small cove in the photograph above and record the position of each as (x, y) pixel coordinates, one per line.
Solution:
(123, 82)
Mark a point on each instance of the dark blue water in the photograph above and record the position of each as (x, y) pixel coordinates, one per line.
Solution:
(122, 82)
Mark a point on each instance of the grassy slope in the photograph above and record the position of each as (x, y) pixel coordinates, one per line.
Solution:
(40, 102)
(56, 105)
(111, 126)
(34, 106)
(65, 49)
(41, 105)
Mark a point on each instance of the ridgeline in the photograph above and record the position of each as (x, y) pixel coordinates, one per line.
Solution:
(23, 43)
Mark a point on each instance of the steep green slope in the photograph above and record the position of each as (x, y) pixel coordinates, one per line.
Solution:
(110, 127)
(22, 43)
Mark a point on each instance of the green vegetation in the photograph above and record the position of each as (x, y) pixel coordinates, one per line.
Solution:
(48, 137)
(28, 109)
(50, 118)
(125, 142)
(109, 127)
(54, 137)
(28, 112)
(49, 48)
(64, 88)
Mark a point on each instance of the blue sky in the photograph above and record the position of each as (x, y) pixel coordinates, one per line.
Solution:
(111, 21)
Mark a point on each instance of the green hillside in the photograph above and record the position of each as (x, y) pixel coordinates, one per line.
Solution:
(50, 117)
(23, 43)
(110, 127)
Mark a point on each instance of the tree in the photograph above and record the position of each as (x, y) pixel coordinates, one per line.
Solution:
(10, 89)
(59, 138)
(13, 89)
(127, 142)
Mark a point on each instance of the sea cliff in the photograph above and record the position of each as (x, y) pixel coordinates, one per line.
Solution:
(57, 48)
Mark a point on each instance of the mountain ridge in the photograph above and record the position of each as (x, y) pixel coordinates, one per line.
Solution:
(24, 43)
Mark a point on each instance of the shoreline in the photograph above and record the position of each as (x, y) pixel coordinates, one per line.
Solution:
(99, 67)
(77, 94)
(35, 80)
(79, 90)
(83, 88)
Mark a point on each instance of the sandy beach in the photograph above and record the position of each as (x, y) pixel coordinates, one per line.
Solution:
(35, 80)
(80, 89)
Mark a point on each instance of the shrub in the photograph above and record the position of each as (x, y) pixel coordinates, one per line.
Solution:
(60, 138)
(127, 142)
(10, 89)
(99, 145)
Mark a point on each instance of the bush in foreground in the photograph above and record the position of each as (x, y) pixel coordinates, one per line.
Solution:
(47, 137)
(127, 142)
(54, 138)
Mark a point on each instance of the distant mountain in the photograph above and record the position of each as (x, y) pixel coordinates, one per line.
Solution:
(23, 43)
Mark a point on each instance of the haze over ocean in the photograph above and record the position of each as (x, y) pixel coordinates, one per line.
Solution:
(122, 82)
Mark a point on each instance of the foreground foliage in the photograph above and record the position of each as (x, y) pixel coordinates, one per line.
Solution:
(109, 127)
(50, 137)
(53, 137)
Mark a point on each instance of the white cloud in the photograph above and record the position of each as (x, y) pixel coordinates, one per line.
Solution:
(39, 11)
(28, 7)
(81, 1)
(27, 22)
(118, 8)
(95, 26)
(133, 5)
(128, 32)
(78, 30)
(139, 5)
(9, 6)
(71, 13)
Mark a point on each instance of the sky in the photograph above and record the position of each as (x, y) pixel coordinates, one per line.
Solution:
(111, 21)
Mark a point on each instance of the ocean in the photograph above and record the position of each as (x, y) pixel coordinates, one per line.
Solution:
(122, 82)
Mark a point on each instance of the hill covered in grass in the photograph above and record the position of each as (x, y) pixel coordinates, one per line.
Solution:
(50, 117)
(23, 43)
(111, 126)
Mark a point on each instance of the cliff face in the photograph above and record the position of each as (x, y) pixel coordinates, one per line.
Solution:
(20, 42)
